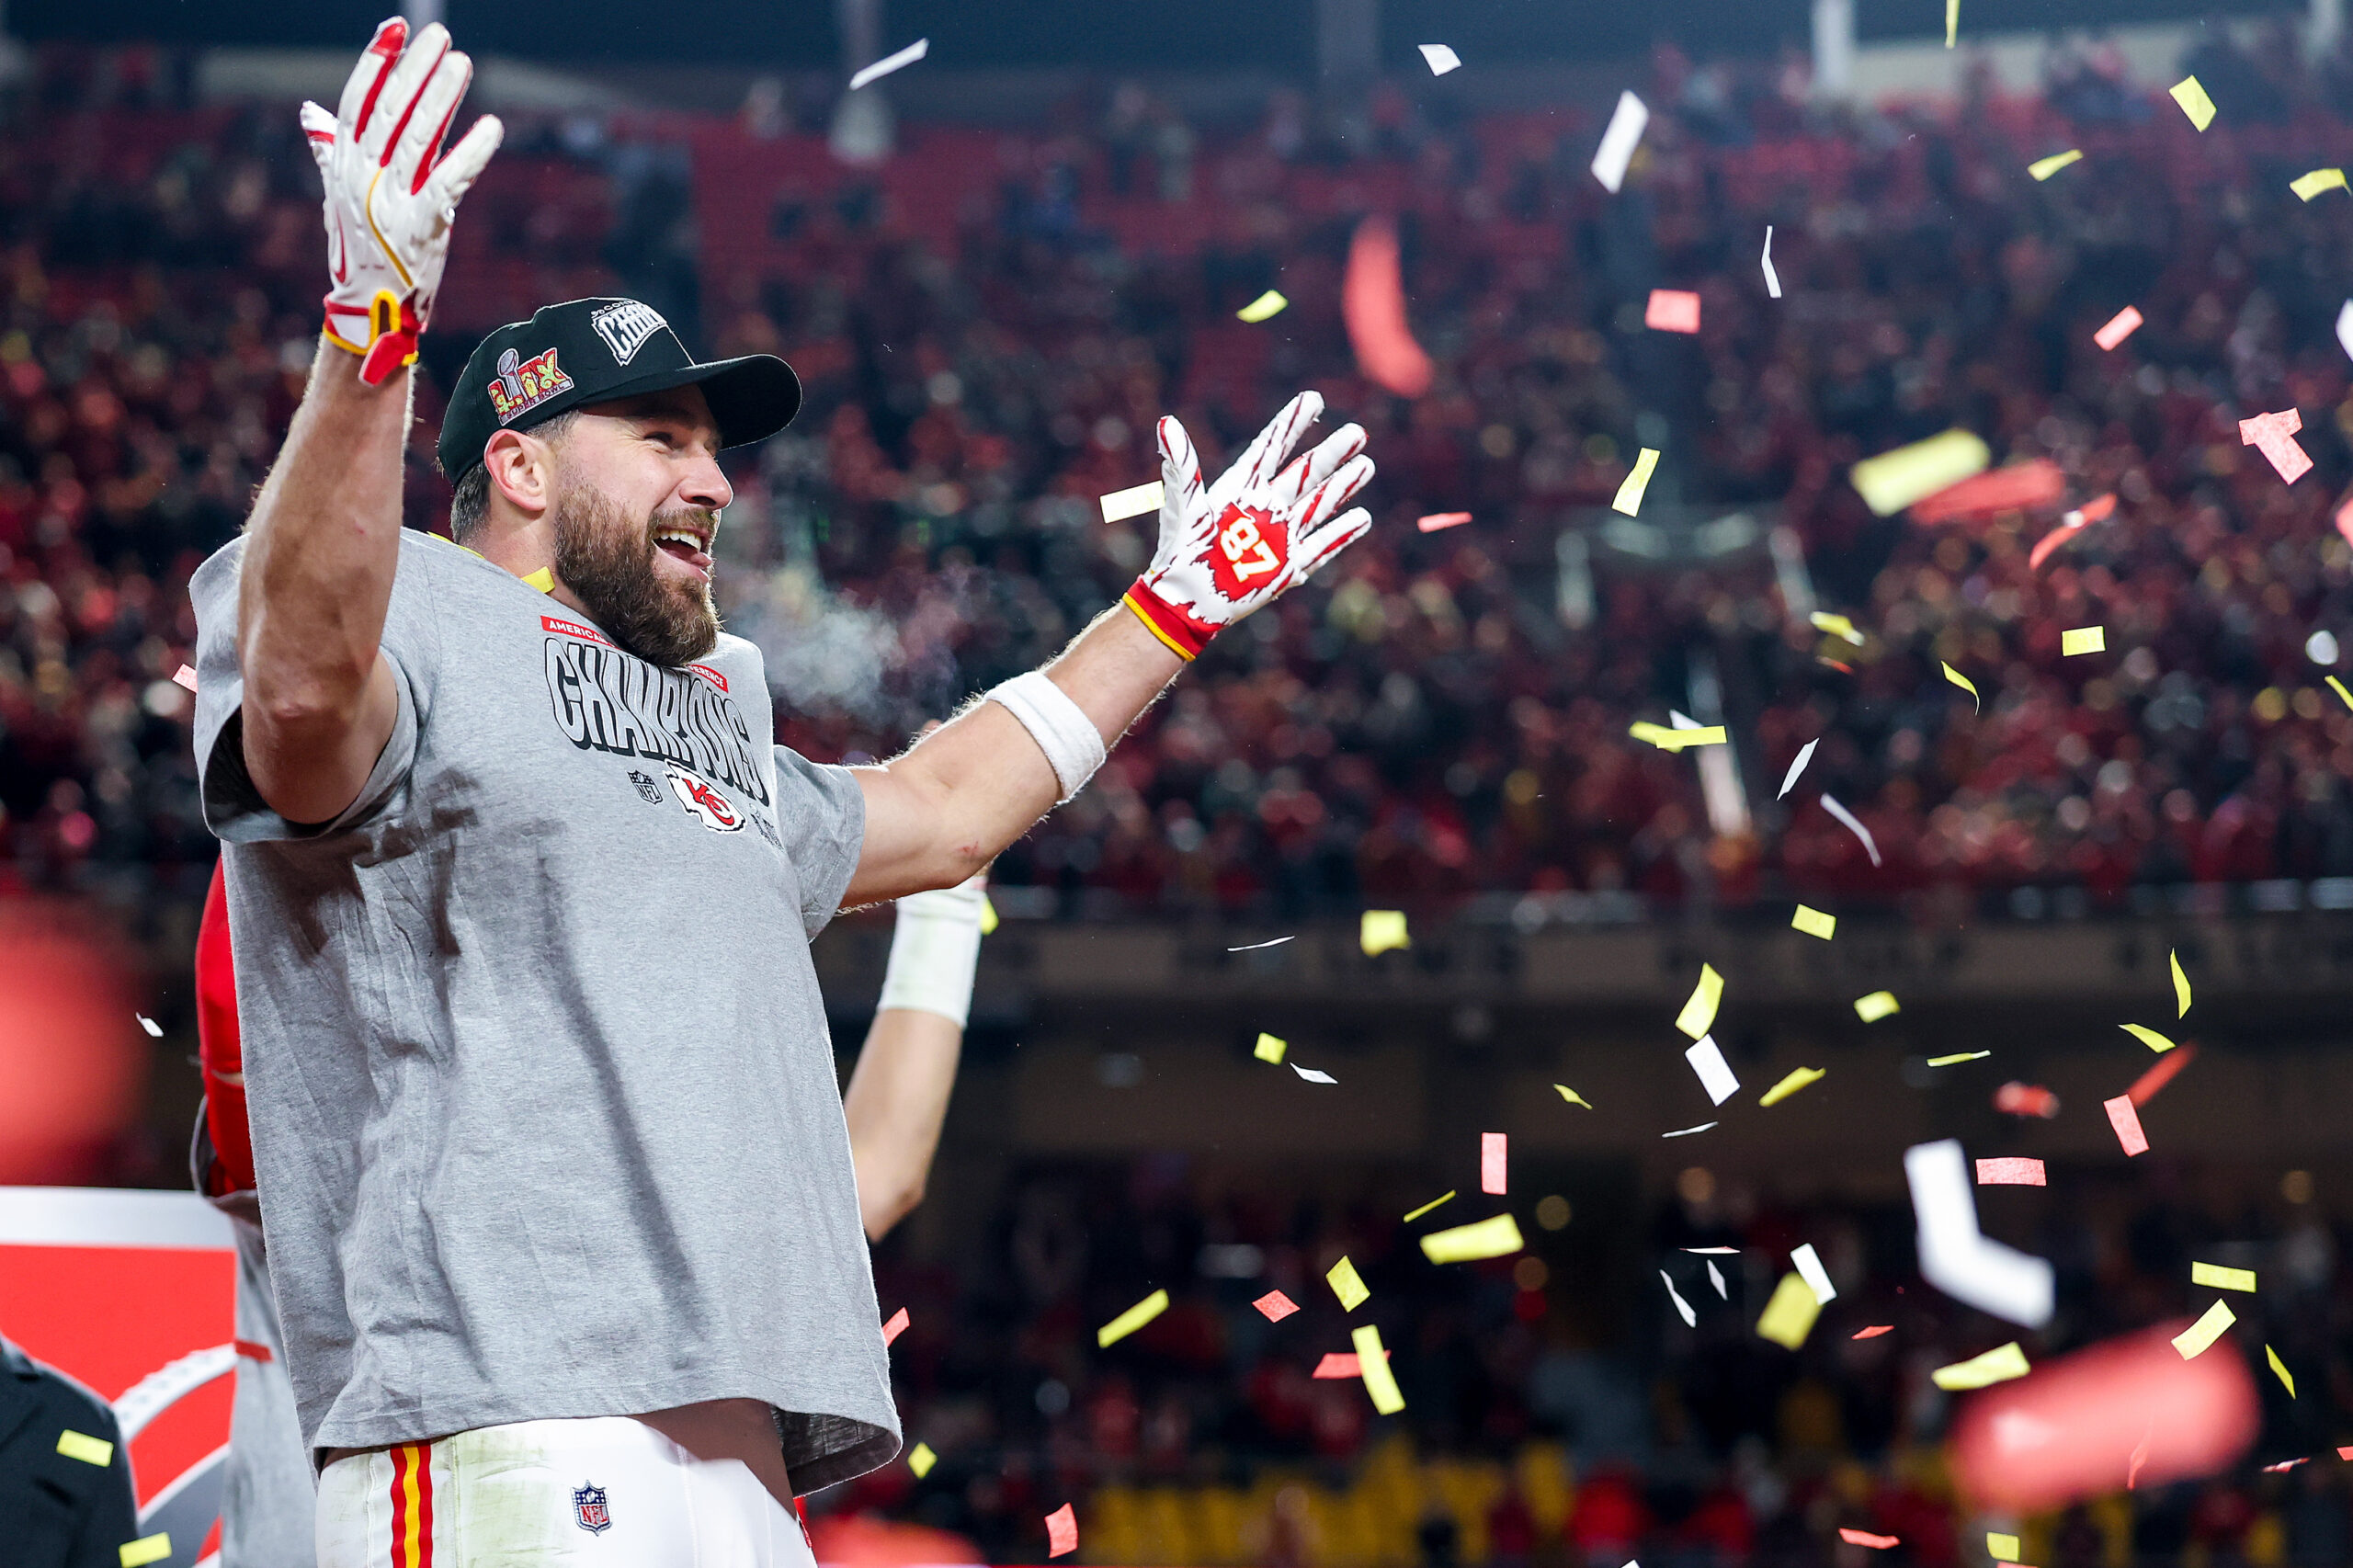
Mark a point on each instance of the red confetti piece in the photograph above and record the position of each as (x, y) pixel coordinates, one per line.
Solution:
(1438, 521)
(2273, 435)
(2014, 1098)
(2144, 1087)
(2345, 520)
(1373, 301)
(1672, 310)
(1865, 1537)
(1343, 1364)
(2012, 1170)
(183, 676)
(2285, 1465)
(2125, 323)
(2069, 526)
(1275, 1306)
(896, 1326)
(2127, 1122)
(1874, 1330)
(2345, 1453)
(1493, 1154)
(1062, 1533)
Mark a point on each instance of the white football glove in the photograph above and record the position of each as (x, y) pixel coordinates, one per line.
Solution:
(1261, 528)
(389, 201)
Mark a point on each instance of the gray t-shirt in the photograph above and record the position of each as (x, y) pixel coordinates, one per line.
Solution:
(543, 1103)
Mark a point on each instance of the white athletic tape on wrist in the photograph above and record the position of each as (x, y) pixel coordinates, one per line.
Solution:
(1062, 730)
(935, 950)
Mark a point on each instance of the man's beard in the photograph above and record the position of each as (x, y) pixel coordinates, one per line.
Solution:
(608, 562)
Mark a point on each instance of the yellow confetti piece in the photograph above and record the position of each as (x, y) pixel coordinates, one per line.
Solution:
(1495, 1238)
(1573, 1097)
(2180, 985)
(1382, 930)
(1963, 1056)
(1271, 303)
(1699, 1012)
(1813, 923)
(2222, 1278)
(2005, 1547)
(1134, 1318)
(2306, 186)
(542, 579)
(1952, 21)
(1638, 479)
(1132, 502)
(1269, 1049)
(2194, 102)
(2083, 639)
(988, 917)
(1966, 684)
(1893, 480)
(1372, 1366)
(1789, 1316)
(920, 1459)
(2043, 168)
(2193, 1340)
(145, 1550)
(1445, 1198)
(1792, 1084)
(1348, 1285)
(2337, 687)
(1998, 1365)
(2149, 1038)
(1877, 1005)
(1666, 739)
(1837, 626)
(88, 1449)
(2273, 1356)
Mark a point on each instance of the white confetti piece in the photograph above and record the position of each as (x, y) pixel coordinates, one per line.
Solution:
(1627, 123)
(1132, 502)
(2345, 326)
(1805, 755)
(154, 1030)
(1441, 58)
(1712, 1251)
(1808, 1263)
(890, 62)
(1313, 1076)
(1254, 947)
(1772, 278)
(1716, 1278)
(1954, 1256)
(1715, 1076)
(1854, 825)
(1686, 1132)
(1690, 1318)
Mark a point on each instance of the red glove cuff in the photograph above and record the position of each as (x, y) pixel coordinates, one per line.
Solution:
(384, 335)
(1185, 636)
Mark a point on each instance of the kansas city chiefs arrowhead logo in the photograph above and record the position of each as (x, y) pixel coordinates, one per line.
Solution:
(702, 802)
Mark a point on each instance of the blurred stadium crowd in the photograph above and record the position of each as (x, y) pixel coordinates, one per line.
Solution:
(990, 323)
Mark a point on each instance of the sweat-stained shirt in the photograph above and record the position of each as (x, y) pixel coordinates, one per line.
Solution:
(545, 1121)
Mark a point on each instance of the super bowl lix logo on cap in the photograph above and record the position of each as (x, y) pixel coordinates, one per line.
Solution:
(625, 325)
(589, 1510)
(520, 387)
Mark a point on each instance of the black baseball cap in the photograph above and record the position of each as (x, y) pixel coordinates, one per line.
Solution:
(588, 351)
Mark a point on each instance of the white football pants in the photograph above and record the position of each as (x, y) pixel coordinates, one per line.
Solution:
(600, 1493)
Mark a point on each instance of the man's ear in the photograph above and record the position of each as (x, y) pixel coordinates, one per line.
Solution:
(521, 468)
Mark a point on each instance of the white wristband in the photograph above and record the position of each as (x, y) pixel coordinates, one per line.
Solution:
(935, 950)
(1060, 728)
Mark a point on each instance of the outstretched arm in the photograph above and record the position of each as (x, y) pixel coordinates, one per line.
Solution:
(950, 802)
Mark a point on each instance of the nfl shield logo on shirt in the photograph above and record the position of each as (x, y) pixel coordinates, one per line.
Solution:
(588, 1509)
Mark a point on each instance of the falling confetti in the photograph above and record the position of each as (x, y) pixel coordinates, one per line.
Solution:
(1772, 278)
(1573, 1097)
(1348, 1285)
(1813, 923)
(1665, 739)
(1638, 479)
(1955, 1256)
(1134, 1318)
(2003, 1547)
(1865, 1537)
(1796, 1080)
(1255, 946)
(1854, 825)
(890, 62)
(1873, 1332)
(1382, 931)
(1805, 755)
(1682, 1307)
(2337, 687)
(1837, 625)
(2144, 1087)
(1372, 303)
(2181, 983)
(1497, 1236)
(1618, 141)
(1716, 1278)
(1959, 1057)
(183, 676)
(1133, 502)
(2195, 1339)
(2194, 103)
(2222, 1278)
(2274, 435)
(1372, 1365)
(1715, 1076)
(1269, 1048)
(1894, 479)
(1966, 684)
(920, 1459)
(896, 1326)
(1698, 1014)
(1494, 1149)
(2083, 639)
(2127, 1122)
(2014, 1098)
(1314, 1075)
(145, 1550)
(1688, 1131)
(1877, 1005)
(1996, 1366)
(1952, 21)
(1270, 303)
(1672, 310)
(2280, 1370)
(1438, 521)
(1062, 1533)
(2306, 186)
(1274, 1306)
(1817, 1278)
(1339, 1365)
(2147, 1037)
(1789, 1315)
(2043, 168)
(1442, 57)
(1441, 1197)
(2010, 1170)
(2120, 326)
(154, 1030)
(86, 1450)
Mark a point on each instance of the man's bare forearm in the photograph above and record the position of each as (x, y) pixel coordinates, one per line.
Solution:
(323, 544)
(896, 1101)
(950, 803)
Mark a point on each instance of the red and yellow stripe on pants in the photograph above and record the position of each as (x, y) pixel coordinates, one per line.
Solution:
(411, 1504)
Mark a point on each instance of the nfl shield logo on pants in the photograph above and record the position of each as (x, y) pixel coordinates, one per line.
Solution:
(588, 1509)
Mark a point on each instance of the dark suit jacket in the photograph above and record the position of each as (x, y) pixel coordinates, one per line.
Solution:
(56, 1511)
